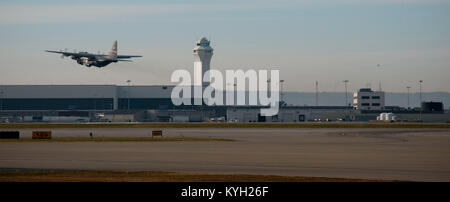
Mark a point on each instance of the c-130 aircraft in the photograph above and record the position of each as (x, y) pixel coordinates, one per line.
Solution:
(98, 60)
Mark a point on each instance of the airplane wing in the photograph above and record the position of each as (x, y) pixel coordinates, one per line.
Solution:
(78, 55)
(128, 56)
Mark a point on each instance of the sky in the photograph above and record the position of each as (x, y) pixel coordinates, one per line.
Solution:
(392, 42)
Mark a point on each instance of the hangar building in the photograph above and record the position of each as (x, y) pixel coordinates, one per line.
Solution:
(84, 97)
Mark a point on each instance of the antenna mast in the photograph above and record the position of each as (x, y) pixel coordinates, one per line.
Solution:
(317, 93)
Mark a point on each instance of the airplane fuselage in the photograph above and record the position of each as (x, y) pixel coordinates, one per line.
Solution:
(97, 61)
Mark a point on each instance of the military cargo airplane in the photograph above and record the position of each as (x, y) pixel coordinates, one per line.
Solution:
(98, 60)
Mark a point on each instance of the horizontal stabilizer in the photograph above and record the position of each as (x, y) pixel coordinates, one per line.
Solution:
(129, 56)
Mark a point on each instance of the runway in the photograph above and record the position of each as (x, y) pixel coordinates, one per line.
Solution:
(394, 154)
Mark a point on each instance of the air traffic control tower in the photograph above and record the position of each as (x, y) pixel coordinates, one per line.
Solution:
(202, 53)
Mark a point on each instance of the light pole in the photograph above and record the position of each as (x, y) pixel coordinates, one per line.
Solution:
(235, 93)
(281, 91)
(346, 97)
(420, 97)
(317, 93)
(420, 91)
(282, 102)
(231, 94)
(407, 88)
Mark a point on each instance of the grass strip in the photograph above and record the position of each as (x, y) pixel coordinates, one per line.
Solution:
(116, 139)
(223, 125)
(152, 176)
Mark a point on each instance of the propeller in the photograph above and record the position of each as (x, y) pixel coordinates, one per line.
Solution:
(62, 55)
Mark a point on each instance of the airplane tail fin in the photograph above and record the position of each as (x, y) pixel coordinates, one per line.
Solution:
(113, 52)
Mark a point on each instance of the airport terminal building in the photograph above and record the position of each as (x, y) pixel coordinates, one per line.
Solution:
(113, 103)
(135, 103)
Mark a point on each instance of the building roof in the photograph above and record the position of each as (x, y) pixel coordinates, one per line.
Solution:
(365, 90)
(57, 91)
